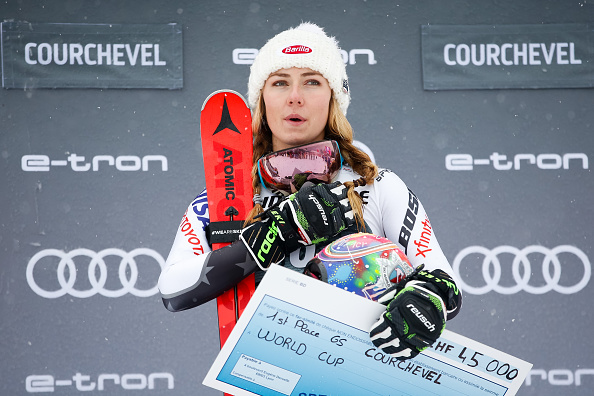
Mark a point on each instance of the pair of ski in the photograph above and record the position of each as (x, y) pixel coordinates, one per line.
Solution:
(226, 133)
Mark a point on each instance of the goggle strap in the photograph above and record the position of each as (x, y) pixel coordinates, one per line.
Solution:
(260, 176)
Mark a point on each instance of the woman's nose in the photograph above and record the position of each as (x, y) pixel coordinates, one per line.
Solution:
(296, 96)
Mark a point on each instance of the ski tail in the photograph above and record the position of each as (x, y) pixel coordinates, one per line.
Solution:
(231, 305)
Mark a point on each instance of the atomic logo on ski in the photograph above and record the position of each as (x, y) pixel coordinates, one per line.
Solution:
(226, 121)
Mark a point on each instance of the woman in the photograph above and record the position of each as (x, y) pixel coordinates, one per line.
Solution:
(298, 90)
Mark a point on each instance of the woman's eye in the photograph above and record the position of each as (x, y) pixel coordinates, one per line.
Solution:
(279, 83)
(312, 82)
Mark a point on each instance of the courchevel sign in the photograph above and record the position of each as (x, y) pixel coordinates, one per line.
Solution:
(80, 55)
(507, 56)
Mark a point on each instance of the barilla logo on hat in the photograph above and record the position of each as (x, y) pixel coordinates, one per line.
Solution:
(296, 49)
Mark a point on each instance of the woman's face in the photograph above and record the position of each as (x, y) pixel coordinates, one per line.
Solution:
(297, 104)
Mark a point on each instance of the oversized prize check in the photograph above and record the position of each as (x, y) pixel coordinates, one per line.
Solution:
(302, 337)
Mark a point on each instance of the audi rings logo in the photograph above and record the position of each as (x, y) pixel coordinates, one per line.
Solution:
(553, 261)
(67, 270)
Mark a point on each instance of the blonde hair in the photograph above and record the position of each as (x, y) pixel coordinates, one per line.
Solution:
(339, 129)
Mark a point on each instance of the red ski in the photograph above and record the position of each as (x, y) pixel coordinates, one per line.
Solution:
(226, 132)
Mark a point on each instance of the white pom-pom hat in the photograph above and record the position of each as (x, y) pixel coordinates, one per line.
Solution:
(306, 46)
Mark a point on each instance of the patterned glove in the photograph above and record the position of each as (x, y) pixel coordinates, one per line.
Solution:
(319, 212)
(416, 313)
(312, 215)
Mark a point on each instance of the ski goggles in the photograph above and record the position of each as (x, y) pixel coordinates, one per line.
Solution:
(288, 170)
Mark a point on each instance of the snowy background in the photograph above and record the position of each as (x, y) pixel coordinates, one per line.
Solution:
(410, 130)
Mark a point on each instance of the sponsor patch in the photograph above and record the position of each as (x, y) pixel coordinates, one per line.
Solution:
(296, 50)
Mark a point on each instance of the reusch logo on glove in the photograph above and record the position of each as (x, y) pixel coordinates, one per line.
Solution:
(430, 326)
(296, 49)
(319, 206)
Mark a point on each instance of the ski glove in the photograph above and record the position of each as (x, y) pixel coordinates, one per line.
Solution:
(319, 212)
(416, 313)
(312, 215)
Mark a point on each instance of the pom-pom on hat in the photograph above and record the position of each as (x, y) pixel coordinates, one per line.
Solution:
(306, 46)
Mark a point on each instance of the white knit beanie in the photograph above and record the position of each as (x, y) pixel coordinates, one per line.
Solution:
(306, 46)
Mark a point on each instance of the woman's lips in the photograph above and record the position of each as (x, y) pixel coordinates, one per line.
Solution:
(294, 119)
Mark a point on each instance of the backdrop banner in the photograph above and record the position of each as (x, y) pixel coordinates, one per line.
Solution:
(508, 56)
(96, 178)
(78, 55)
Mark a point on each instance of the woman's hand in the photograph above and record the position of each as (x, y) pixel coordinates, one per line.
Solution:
(312, 215)
(416, 313)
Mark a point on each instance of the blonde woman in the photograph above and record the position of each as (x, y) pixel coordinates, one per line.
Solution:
(312, 185)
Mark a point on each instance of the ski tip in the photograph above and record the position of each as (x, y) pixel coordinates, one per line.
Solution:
(230, 91)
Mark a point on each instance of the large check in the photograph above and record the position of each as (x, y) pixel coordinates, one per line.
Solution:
(299, 336)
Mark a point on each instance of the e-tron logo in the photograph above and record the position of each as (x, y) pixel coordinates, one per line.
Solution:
(521, 267)
(109, 382)
(123, 163)
(466, 162)
(246, 56)
(67, 270)
(560, 377)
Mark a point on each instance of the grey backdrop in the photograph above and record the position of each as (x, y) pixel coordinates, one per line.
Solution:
(408, 129)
